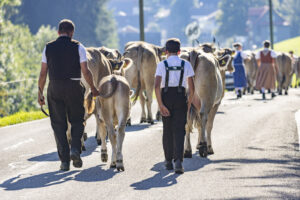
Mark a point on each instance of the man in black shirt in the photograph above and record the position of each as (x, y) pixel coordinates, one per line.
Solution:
(65, 59)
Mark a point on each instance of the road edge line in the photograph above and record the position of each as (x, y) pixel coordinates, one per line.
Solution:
(297, 118)
(24, 123)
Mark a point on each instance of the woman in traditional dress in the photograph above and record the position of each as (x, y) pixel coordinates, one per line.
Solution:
(239, 75)
(266, 74)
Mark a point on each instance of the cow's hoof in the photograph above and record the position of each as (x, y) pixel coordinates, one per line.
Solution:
(128, 123)
(158, 116)
(85, 136)
(99, 142)
(104, 155)
(187, 154)
(252, 92)
(198, 146)
(83, 148)
(286, 93)
(120, 166)
(203, 149)
(150, 121)
(113, 165)
(280, 93)
(143, 120)
(210, 150)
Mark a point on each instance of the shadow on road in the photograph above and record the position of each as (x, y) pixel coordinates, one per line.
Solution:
(165, 178)
(137, 127)
(37, 181)
(93, 174)
(90, 145)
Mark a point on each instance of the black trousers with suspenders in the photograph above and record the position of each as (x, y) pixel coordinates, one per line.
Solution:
(174, 98)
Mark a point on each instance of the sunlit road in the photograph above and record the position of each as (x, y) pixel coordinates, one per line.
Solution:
(256, 157)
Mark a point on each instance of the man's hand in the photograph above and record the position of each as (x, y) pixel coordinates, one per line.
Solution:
(95, 92)
(41, 99)
(164, 111)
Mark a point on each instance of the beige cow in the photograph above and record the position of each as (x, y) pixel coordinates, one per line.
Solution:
(140, 76)
(285, 72)
(113, 54)
(99, 66)
(114, 109)
(209, 83)
(296, 69)
(251, 71)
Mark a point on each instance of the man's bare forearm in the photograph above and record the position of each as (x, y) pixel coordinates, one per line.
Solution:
(43, 76)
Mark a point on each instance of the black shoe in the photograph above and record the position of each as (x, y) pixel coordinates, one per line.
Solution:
(178, 167)
(239, 95)
(65, 166)
(75, 156)
(169, 165)
(273, 95)
(263, 96)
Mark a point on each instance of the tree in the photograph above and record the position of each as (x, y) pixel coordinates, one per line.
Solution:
(91, 19)
(233, 17)
(20, 58)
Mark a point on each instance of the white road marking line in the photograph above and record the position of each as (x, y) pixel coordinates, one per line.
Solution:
(18, 144)
(297, 118)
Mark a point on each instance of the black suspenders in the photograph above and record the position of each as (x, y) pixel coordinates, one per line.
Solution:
(174, 68)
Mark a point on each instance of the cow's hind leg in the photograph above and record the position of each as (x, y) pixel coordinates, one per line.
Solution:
(149, 93)
(101, 133)
(120, 139)
(112, 137)
(210, 122)
(142, 102)
(203, 143)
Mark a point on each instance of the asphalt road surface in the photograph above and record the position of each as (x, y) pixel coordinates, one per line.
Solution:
(256, 146)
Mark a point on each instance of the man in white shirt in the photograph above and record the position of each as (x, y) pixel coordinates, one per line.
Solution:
(173, 76)
(65, 60)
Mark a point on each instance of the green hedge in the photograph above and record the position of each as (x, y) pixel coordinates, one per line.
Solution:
(20, 117)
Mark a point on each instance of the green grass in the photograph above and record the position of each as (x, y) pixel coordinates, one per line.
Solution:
(20, 117)
(288, 45)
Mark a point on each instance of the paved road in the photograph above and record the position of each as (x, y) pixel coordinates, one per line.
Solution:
(256, 157)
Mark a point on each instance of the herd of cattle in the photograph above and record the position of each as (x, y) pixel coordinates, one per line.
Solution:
(121, 78)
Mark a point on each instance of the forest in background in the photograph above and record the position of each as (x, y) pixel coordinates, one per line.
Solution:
(23, 37)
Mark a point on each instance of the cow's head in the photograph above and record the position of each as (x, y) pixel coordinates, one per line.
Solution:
(208, 47)
(191, 55)
(225, 57)
(119, 67)
(160, 52)
(113, 54)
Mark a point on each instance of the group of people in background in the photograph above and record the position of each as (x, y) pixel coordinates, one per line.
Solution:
(266, 74)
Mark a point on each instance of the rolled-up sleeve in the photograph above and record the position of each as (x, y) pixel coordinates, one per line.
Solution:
(44, 58)
(159, 71)
(82, 53)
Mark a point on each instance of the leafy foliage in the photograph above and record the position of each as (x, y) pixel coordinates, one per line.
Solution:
(94, 24)
(20, 58)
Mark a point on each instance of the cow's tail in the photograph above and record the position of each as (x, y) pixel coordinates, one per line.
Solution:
(108, 88)
(192, 118)
(139, 63)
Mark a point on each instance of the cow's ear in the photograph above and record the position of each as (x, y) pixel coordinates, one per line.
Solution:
(224, 61)
(89, 103)
(127, 63)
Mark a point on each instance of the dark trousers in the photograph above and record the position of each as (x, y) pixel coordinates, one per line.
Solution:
(174, 125)
(65, 102)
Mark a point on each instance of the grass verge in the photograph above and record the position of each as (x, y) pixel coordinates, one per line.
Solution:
(20, 117)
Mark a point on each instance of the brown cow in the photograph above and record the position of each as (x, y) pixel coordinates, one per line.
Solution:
(209, 83)
(140, 76)
(113, 54)
(251, 70)
(114, 110)
(285, 72)
(296, 66)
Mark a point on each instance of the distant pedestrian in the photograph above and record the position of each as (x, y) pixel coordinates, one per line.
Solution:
(65, 59)
(172, 78)
(266, 74)
(239, 75)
